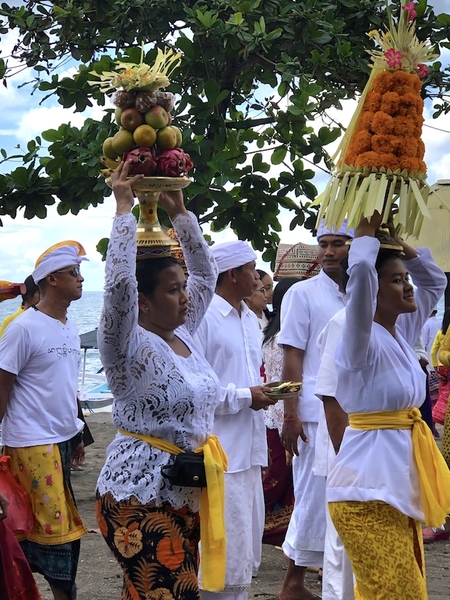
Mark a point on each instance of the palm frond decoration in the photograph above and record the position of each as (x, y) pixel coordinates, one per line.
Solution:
(380, 159)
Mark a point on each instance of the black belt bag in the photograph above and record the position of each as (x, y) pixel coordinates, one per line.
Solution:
(187, 470)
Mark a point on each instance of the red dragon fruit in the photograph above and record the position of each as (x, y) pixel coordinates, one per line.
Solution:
(174, 163)
(143, 161)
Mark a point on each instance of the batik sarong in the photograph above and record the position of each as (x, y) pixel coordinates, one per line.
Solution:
(446, 437)
(52, 547)
(278, 490)
(385, 548)
(157, 548)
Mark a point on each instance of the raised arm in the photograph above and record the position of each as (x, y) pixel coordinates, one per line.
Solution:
(431, 282)
(120, 305)
(200, 264)
(362, 289)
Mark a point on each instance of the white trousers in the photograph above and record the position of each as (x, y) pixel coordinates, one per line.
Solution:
(305, 537)
(244, 522)
(338, 582)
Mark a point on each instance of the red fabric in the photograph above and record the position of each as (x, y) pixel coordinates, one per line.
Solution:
(20, 517)
(16, 579)
(440, 407)
(278, 491)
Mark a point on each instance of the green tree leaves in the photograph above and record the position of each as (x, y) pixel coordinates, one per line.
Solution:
(253, 78)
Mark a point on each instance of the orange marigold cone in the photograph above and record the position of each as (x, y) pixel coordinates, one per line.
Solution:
(380, 160)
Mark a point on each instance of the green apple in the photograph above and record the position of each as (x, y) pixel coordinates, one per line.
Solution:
(157, 117)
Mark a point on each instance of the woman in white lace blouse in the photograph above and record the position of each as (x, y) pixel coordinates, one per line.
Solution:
(163, 387)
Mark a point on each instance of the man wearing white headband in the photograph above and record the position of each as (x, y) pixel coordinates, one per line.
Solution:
(39, 364)
(307, 307)
(230, 337)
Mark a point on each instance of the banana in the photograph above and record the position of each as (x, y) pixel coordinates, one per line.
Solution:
(110, 163)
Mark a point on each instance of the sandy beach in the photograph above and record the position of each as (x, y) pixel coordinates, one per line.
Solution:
(99, 577)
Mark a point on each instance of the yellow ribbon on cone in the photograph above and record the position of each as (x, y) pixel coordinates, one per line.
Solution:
(434, 475)
(212, 507)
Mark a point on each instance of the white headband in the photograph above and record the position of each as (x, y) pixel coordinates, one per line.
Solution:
(333, 231)
(71, 253)
(230, 255)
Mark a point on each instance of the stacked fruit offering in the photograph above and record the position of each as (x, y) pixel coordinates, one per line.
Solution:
(146, 136)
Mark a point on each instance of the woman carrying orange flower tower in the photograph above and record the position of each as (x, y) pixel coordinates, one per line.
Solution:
(389, 475)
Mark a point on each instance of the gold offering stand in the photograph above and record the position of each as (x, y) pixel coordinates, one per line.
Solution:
(387, 242)
(152, 241)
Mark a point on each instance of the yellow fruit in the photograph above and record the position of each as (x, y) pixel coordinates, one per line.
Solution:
(123, 141)
(144, 136)
(110, 163)
(108, 149)
(167, 138)
(178, 134)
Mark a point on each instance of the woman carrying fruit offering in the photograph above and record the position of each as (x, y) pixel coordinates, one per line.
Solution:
(164, 391)
(389, 475)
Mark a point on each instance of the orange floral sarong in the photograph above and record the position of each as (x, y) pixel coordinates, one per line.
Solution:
(156, 546)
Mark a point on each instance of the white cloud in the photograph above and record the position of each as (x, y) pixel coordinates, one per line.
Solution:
(22, 241)
(37, 120)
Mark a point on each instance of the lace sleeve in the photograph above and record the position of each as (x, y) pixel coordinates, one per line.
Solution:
(273, 360)
(201, 267)
(120, 307)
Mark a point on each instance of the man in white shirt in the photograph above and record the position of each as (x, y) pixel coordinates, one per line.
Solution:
(39, 364)
(231, 340)
(306, 309)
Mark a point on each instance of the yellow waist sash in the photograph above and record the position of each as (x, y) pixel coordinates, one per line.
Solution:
(212, 507)
(434, 475)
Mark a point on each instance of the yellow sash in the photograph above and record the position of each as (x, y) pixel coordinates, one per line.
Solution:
(434, 475)
(212, 507)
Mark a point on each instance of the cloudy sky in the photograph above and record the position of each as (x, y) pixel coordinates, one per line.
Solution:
(21, 119)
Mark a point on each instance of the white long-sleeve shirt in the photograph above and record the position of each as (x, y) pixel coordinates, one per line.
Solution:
(156, 391)
(232, 346)
(379, 372)
(306, 309)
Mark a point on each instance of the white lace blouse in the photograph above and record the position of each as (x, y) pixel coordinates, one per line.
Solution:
(156, 391)
(273, 364)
